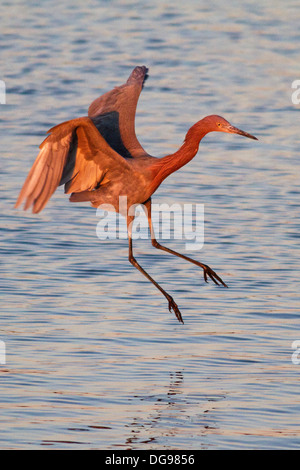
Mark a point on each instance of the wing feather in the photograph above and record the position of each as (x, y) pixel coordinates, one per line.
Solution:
(114, 114)
(75, 154)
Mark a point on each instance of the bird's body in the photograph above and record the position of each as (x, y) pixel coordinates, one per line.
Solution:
(99, 159)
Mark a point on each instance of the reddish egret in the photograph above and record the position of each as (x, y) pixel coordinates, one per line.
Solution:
(99, 158)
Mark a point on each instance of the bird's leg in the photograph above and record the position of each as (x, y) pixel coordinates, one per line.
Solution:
(172, 305)
(207, 271)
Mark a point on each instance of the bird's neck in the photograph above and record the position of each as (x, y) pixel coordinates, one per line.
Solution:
(167, 165)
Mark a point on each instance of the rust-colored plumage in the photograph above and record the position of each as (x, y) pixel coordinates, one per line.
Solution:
(99, 158)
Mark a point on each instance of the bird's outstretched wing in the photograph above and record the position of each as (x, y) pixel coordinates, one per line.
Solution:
(74, 154)
(114, 114)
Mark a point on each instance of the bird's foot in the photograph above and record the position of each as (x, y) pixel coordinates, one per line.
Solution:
(207, 271)
(173, 306)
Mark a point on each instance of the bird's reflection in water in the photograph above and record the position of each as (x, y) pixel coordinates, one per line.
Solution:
(176, 380)
(160, 417)
(173, 414)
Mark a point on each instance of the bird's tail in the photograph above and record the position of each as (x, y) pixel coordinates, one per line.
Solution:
(81, 197)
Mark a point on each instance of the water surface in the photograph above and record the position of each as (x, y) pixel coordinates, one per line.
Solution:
(94, 359)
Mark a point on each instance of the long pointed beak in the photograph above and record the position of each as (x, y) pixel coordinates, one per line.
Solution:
(235, 130)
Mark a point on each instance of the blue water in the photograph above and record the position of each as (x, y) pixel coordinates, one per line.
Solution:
(94, 359)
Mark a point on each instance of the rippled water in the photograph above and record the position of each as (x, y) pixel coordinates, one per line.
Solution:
(93, 357)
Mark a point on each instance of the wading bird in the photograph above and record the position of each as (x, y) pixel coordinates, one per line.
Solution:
(99, 159)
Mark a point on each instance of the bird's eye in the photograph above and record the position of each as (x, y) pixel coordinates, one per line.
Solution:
(218, 124)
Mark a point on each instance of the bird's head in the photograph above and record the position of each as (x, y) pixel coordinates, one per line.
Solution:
(219, 124)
